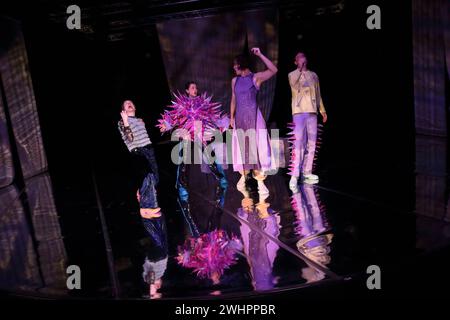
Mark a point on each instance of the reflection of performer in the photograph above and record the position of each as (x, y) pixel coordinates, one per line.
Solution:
(136, 138)
(156, 258)
(259, 249)
(186, 112)
(312, 229)
(247, 120)
(309, 216)
(210, 253)
(306, 103)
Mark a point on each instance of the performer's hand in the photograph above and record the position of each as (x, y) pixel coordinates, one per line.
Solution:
(256, 52)
(232, 123)
(138, 196)
(124, 116)
(324, 116)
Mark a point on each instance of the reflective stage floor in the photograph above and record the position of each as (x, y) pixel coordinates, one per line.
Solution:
(350, 220)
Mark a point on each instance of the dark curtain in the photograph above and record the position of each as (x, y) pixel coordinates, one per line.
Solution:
(430, 24)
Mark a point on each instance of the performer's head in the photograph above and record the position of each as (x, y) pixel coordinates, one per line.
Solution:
(241, 63)
(300, 60)
(129, 108)
(191, 89)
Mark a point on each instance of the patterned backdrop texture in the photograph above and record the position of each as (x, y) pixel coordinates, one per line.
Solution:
(32, 252)
(431, 49)
(202, 50)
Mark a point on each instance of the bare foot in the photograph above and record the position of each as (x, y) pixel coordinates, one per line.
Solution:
(156, 296)
(247, 204)
(262, 210)
(153, 292)
(149, 213)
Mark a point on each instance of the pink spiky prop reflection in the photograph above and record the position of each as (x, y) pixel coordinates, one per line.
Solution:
(197, 116)
(302, 209)
(296, 203)
(210, 254)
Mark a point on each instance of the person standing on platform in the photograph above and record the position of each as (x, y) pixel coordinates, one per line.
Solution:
(306, 104)
(247, 121)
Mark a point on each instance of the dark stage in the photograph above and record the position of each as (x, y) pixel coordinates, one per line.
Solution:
(67, 188)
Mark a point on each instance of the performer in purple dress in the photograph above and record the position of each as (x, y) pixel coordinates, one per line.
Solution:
(248, 124)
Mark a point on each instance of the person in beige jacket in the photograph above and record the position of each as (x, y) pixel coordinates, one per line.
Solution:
(306, 104)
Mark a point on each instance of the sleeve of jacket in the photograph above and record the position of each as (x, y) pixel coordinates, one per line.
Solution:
(126, 132)
(318, 95)
(292, 81)
(289, 80)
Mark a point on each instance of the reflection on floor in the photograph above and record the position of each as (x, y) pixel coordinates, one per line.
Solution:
(322, 232)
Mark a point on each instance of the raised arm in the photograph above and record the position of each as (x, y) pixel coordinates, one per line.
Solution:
(271, 70)
(124, 127)
(233, 103)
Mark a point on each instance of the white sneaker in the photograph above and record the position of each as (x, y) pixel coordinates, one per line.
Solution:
(309, 181)
(310, 177)
(293, 184)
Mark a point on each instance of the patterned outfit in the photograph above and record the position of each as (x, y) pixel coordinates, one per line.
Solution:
(138, 143)
(136, 139)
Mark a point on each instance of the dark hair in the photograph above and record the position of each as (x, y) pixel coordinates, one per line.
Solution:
(123, 104)
(243, 61)
(188, 84)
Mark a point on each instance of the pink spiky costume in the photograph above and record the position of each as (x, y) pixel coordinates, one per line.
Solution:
(185, 112)
(199, 120)
(211, 253)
